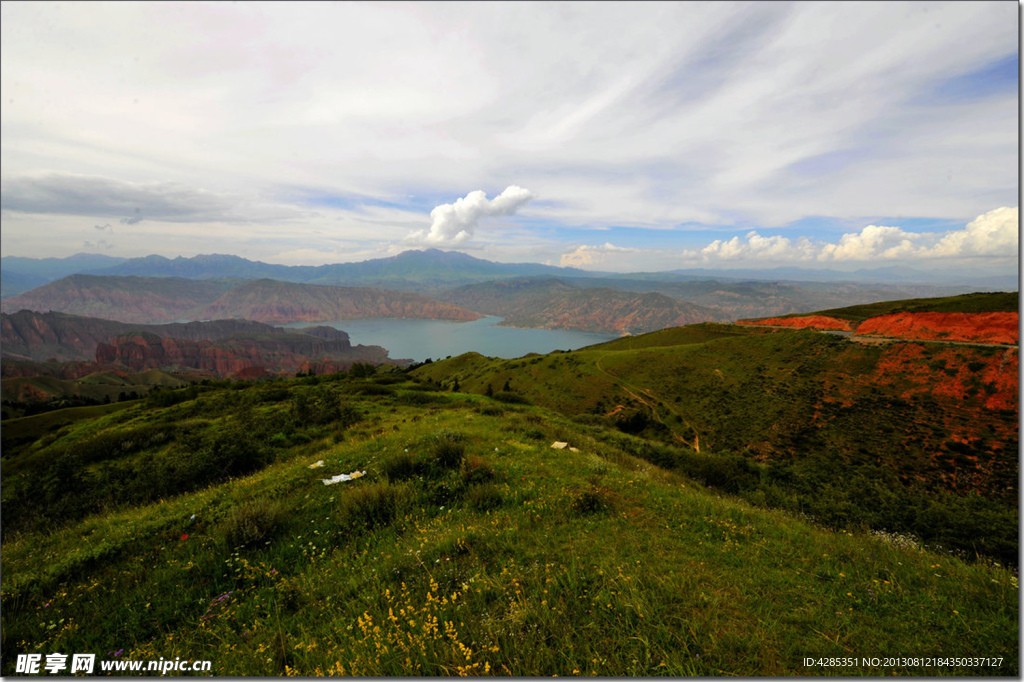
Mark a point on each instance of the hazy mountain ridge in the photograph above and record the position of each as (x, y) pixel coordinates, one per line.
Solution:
(132, 299)
(588, 301)
(411, 270)
(147, 300)
(713, 298)
(284, 302)
(429, 270)
(554, 304)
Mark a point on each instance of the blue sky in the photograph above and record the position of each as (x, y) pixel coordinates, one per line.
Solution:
(613, 136)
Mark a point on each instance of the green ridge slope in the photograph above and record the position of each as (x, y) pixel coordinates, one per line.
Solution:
(471, 546)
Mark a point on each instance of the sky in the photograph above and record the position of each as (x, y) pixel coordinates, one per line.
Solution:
(607, 136)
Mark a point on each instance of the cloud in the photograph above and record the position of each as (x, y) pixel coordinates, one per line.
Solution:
(108, 226)
(755, 246)
(874, 241)
(746, 116)
(994, 234)
(133, 220)
(88, 195)
(102, 244)
(588, 256)
(453, 224)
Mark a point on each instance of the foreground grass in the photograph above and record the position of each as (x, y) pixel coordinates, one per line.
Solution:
(473, 547)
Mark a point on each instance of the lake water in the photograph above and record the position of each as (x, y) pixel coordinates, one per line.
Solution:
(436, 339)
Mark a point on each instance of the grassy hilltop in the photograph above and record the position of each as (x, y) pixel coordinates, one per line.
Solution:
(190, 524)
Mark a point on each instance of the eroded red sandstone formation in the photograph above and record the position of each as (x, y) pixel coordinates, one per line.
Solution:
(805, 322)
(243, 358)
(963, 327)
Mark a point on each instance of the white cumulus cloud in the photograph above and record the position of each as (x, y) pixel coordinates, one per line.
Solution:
(587, 256)
(755, 246)
(453, 224)
(996, 233)
(992, 235)
(874, 241)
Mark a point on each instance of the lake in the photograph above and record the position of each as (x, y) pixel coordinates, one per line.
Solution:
(436, 339)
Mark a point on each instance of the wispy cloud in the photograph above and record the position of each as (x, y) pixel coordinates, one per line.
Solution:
(644, 115)
(69, 194)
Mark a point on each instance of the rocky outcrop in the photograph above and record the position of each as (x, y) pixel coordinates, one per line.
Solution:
(32, 336)
(237, 356)
(996, 328)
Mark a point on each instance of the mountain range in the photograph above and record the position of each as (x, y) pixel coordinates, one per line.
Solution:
(408, 271)
(431, 270)
(428, 284)
(150, 300)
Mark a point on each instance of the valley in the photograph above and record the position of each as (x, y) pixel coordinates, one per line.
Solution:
(714, 496)
(422, 340)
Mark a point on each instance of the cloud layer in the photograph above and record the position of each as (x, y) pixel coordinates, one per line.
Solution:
(454, 224)
(55, 193)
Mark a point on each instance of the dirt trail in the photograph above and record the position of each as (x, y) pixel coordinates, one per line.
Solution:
(651, 402)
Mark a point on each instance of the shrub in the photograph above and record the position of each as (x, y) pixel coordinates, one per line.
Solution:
(590, 502)
(254, 522)
(476, 471)
(374, 389)
(492, 410)
(443, 492)
(422, 398)
(511, 398)
(401, 467)
(375, 505)
(484, 497)
(534, 434)
(448, 449)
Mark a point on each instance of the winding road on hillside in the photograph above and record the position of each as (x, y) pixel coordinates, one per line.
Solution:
(872, 340)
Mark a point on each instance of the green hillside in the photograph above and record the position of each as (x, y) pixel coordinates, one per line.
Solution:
(912, 437)
(471, 546)
(97, 386)
(677, 336)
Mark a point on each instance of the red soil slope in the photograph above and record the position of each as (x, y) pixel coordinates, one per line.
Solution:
(808, 321)
(964, 327)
